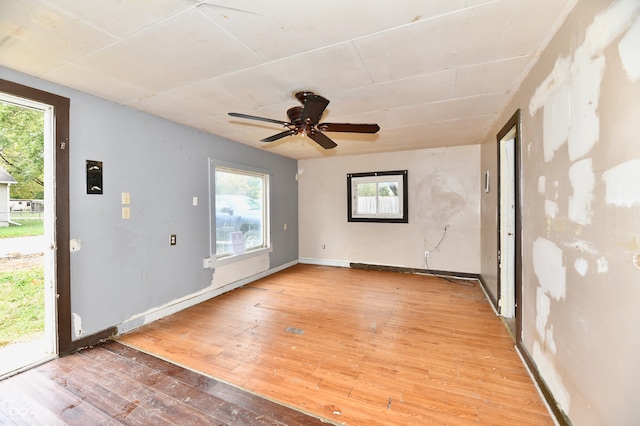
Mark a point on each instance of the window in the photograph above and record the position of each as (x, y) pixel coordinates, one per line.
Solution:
(240, 205)
(378, 197)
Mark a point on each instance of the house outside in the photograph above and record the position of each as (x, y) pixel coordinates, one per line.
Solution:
(5, 183)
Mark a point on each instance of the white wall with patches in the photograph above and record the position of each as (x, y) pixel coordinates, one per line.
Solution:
(444, 189)
(580, 183)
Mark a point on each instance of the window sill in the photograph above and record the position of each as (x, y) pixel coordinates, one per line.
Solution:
(238, 257)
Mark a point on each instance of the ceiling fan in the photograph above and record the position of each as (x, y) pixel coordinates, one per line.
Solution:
(305, 119)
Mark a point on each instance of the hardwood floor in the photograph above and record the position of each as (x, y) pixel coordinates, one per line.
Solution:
(113, 384)
(357, 347)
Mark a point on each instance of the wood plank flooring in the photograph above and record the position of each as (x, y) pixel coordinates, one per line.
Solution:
(357, 347)
(113, 384)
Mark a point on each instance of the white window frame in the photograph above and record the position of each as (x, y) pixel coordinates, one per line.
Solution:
(266, 212)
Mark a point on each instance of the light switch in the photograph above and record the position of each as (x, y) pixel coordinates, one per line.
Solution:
(126, 213)
(195, 201)
(126, 198)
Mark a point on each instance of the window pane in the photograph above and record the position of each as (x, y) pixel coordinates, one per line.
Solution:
(240, 217)
(366, 196)
(388, 200)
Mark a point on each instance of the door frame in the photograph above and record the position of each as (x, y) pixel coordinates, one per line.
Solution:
(513, 122)
(61, 106)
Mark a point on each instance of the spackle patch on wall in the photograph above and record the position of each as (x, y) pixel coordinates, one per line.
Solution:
(551, 208)
(622, 184)
(74, 245)
(628, 50)
(583, 181)
(444, 197)
(543, 308)
(603, 265)
(542, 184)
(585, 94)
(548, 267)
(551, 377)
(570, 93)
(581, 266)
(77, 324)
(557, 116)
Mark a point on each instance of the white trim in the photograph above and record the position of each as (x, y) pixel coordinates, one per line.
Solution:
(192, 300)
(325, 262)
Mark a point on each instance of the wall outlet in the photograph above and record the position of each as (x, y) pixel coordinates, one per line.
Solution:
(207, 263)
(172, 239)
(126, 213)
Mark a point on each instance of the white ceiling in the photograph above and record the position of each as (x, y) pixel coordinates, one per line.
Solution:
(431, 73)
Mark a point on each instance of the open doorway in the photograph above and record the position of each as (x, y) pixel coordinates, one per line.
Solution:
(509, 245)
(54, 213)
(27, 237)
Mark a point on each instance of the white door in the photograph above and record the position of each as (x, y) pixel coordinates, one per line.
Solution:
(507, 225)
(19, 356)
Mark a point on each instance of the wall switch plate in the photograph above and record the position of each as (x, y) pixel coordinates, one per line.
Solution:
(94, 177)
(195, 201)
(172, 239)
(126, 213)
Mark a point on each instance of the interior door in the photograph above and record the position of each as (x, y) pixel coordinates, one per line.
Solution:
(509, 242)
(507, 301)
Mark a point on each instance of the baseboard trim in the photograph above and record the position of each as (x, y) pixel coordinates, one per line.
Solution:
(490, 297)
(192, 300)
(90, 340)
(324, 262)
(405, 270)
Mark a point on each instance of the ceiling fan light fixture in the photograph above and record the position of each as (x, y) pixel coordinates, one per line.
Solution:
(305, 120)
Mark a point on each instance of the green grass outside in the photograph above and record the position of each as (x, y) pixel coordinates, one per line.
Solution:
(21, 305)
(30, 227)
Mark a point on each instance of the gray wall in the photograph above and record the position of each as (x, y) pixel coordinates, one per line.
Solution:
(580, 213)
(124, 268)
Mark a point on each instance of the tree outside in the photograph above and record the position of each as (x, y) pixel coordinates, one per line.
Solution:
(22, 276)
(22, 150)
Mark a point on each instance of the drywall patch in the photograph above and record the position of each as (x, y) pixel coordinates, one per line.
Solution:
(622, 186)
(583, 181)
(628, 51)
(548, 267)
(581, 266)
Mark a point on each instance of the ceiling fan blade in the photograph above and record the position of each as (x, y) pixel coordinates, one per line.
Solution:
(314, 106)
(253, 117)
(322, 140)
(279, 136)
(349, 127)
